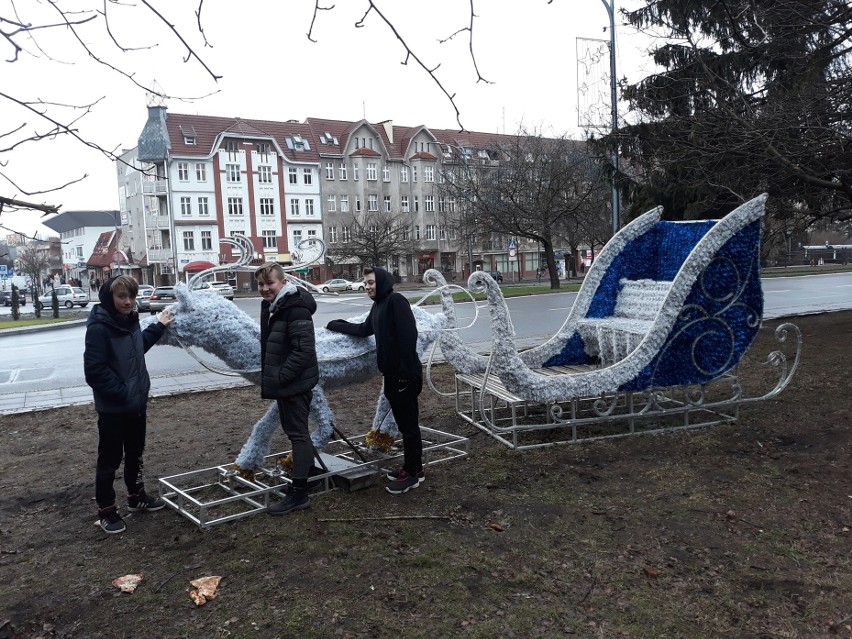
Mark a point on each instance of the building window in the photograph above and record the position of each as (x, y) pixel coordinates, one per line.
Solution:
(429, 203)
(186, 206)
(387, 204)
(372, 171)
(294, 206)
(403, 173)
(347, 234)
(189, 140)
(355, 170)
(307, 176)
(312, 235)
(331, 203)
(442, 205)
(414, 173)
(373, 202)
(442, 233)
(267, 206)
(417, 204)
(264, 174)
(386, 173)
(329, 170)
(430, 231)
(344, 204)
(235, 206)
(404, 202)
(201, 171)
(357, 203)
(332, 235)
(417, 232)
(429, 173)
(451, 205)
(268, 239)
(294, 175)
(231, 146)
(342, 170)
(309, 206)
(206, 240)
(188, 241)
(203, 208)
(406, 234)
(297, 237)
(233, 172)
(183, 171)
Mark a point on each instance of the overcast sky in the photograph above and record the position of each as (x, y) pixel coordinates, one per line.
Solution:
(526, 49)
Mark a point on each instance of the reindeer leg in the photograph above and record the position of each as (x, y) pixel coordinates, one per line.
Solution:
(257, 446)
(323, 417)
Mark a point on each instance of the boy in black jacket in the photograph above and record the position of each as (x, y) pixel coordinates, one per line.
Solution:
(290, 371)
(114, 365)
(393, 324)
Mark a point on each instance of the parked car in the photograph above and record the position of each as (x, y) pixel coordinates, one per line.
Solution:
(143, 297)
(497, 275)
(6, 297)
(337, 284)
(356, 286)
(161, 297)
(69, 296)
(222, 288)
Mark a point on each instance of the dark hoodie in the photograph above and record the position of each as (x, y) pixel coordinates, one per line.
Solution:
(393, 324)
(287, 345)
(114, 358)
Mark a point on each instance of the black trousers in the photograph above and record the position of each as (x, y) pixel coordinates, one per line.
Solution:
(406, 412)
(293, 413)
(119, 434)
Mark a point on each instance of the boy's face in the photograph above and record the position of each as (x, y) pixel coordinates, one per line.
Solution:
(123, 300)
(270, 286)
(370, 285)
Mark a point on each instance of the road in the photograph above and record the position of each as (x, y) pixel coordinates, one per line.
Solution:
(53, 359)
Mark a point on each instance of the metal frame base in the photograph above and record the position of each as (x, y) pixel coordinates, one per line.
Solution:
(219, 494)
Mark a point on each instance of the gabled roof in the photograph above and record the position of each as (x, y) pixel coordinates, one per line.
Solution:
(104, 251)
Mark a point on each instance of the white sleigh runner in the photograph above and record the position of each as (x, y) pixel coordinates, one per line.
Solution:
(653, 342)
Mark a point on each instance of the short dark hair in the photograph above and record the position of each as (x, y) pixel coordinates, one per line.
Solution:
(127, 283)
(369, 270)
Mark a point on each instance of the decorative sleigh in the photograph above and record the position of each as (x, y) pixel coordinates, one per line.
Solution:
(653, 342)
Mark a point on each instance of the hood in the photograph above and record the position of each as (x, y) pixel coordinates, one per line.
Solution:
(384, 283)
(292, 295)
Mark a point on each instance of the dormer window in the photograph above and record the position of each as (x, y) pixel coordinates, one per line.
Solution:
(189, 140)
(297, 143)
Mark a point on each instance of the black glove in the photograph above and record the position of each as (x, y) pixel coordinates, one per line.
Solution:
(334, 325)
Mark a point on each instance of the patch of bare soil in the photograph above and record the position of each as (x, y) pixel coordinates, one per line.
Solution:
(740, 530)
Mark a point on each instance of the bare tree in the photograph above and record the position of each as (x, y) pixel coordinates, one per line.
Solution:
(533, 187)
(33, 261)
(374, 238)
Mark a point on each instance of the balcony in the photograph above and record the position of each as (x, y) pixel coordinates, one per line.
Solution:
(155, 187)
(159, 255)
(156, 221)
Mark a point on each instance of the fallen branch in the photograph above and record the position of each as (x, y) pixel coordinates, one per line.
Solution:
(387, 518)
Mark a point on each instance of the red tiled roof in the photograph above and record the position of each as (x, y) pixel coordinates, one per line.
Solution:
(365, 151)
(422, 155)
(104, 250)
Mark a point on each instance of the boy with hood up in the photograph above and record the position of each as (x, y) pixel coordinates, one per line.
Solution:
(114, 365)
(393, 324)
(290, 370)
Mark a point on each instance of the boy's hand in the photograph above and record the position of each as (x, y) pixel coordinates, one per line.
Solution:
(165, 318)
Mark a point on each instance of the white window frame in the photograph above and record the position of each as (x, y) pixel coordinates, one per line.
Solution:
(268, 239)
(292, 175)
(331, 203)
(385, 173)
(405, 204)
(344, 204)
(294, 206)
(329, 170)
(267, 206)
(188, 240)
(200, 172)
(403, 173)
(429, 203)
(372, 172)
(204, 205)
(183, 171)
(430, 231)
(388, 203)
(342, 171)
(355, 170)
(264, 174)
(206, 240)
(309, 206)
(233, 173)
(307, 176)
(185, 205)
(372, 202)
(235, 206)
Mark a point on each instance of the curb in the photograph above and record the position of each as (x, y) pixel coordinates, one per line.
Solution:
(25, 330)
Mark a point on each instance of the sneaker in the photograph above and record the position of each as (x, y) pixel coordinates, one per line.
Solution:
(111, 523)
(144, 502)
(293, 501)
(396, 475)
(404, 483)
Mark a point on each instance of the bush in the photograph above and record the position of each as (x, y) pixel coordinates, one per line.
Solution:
(16, 304)
(54, 302)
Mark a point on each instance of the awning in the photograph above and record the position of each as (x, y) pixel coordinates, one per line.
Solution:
(198, 266)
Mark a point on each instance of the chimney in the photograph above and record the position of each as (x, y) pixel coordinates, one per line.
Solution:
(388, 126)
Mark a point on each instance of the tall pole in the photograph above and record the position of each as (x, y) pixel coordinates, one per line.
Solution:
(610, 9)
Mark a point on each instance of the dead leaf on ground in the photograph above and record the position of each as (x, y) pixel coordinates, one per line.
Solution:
(206, 589)
(651, 572)
(496, 526)
(127, 583)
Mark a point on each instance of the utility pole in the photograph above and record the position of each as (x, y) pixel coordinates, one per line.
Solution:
(610, 9)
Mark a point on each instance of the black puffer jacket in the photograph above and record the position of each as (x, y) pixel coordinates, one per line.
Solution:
(287, 345)
(393, 324)
(114, 358)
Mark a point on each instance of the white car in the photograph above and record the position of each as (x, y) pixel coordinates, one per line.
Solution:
(222, 288)
(69, 296)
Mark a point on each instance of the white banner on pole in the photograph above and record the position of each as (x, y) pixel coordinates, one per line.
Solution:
(593, 85)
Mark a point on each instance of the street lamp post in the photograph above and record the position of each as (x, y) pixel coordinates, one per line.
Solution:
(610, 9)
